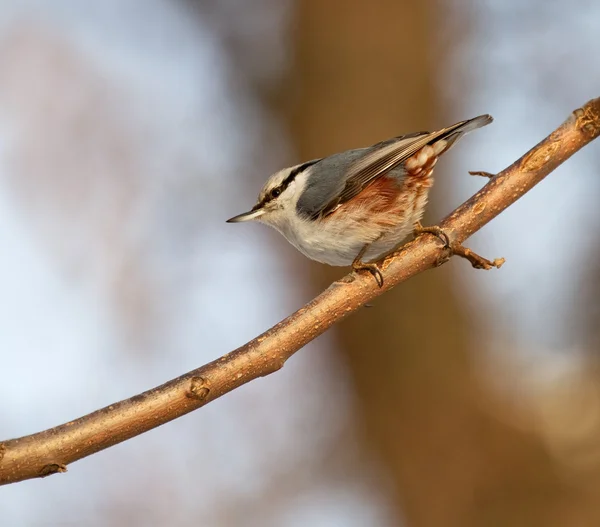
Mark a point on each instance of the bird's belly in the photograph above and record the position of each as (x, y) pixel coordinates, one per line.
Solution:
(328, 245)
(339, 243)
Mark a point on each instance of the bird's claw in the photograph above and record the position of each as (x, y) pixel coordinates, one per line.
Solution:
(435, 230)
(373, 268)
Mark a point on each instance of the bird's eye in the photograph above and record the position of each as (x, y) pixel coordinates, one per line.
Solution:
(275, 192)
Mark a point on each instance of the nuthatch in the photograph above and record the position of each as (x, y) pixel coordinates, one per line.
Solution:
(357, 206)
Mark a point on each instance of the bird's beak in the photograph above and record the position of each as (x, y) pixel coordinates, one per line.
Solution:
(247, 216)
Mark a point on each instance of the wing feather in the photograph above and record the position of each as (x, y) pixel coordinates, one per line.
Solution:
(389, 155)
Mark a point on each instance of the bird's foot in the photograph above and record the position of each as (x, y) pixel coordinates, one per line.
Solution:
(434, 229)
(373, 268)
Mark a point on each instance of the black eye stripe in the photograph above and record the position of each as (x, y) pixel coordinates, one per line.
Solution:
(300, 168)
(278, 190)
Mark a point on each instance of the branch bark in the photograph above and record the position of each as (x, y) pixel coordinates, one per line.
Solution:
(50, 451)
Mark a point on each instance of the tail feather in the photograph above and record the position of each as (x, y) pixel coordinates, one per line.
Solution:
(456, 131)
(471, 124)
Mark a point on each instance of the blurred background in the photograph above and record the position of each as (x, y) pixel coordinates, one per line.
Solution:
(129, 132)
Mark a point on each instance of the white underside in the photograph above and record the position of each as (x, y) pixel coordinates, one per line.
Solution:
(338, 241)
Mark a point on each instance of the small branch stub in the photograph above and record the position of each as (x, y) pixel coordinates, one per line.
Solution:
(52, 468)
(453, 248)
(199, 388)
(588, 119)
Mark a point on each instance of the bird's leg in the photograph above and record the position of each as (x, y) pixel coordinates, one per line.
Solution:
(458, 249)
(359, 265)
(481, 173)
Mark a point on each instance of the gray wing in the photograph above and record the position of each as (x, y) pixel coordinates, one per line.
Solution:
(327, 181)
(334, 178)
(341, 177)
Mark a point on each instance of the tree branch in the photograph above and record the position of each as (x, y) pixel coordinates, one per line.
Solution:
(50, 451)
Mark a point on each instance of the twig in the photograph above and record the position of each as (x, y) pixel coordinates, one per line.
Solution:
(51, 451)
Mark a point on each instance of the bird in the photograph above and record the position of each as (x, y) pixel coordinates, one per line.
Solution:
(357, 206)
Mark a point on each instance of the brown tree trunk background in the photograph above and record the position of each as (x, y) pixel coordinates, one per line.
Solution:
(364, 73)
